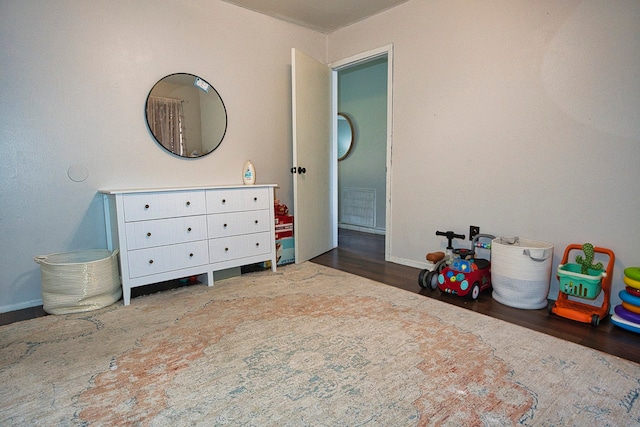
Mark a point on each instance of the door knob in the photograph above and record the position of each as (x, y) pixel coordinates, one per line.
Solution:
(298, 169)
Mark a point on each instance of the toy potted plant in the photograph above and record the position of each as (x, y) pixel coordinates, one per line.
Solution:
(583, 278)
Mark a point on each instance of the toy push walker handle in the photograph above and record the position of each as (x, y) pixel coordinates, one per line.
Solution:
(450, 235)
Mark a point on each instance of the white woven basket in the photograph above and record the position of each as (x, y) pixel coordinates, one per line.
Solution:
(521, 272)
(74, 282)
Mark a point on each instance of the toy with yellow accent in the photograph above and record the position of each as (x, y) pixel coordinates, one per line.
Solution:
(470, 276)
(584, 280)
(632, 277)
(428, 279)
(627, 314)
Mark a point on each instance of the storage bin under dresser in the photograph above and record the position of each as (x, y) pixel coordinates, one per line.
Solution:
(165, 234)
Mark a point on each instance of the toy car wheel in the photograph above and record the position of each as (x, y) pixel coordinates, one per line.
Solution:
(550, 307)
(432, 280)
(595, 320)
(475, 291)
(422, 278)
(439, 267)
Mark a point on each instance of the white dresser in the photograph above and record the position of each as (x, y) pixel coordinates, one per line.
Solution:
(170, 233)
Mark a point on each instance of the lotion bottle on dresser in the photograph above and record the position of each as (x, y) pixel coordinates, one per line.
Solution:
(249, 173)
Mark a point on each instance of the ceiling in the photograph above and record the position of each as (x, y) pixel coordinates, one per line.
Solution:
(319, 15)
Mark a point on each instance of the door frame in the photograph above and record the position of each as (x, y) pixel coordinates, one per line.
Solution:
(335, 67)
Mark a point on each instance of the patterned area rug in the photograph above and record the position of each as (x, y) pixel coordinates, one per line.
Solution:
(307, 345)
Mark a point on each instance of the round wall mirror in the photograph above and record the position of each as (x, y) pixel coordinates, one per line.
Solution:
(186, 115)
(345, 136)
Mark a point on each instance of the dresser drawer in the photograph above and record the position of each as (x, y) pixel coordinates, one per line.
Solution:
(243, 246)
(154, 205)
(236, 223)
(235, 200)
(160, 232)
(145, 262)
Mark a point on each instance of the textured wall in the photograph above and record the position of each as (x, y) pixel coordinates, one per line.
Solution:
(522, 117)
(74, 80)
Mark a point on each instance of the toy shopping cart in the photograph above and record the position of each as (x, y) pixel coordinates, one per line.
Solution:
(576, 284)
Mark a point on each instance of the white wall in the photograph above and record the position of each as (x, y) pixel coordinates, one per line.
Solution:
(73, 83)
(520, 116)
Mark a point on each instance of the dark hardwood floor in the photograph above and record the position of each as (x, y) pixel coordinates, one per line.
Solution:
(363, 254)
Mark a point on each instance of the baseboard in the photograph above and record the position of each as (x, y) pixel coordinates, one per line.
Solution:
(21, 306)
(380, 231)
(411, 263)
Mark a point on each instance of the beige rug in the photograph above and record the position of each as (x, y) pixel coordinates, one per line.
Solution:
(306, 346)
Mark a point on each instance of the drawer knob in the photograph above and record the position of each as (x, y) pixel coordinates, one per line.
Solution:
(146, 206)
(255, 199)
(225, 226)
(256, 221)
(148, 234)
(257, 244)
(188, 203)
(190, 255)
(224, 201)
(226, 249)
(189, 230)
(150, 261)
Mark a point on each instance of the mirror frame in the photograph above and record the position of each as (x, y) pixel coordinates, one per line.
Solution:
(343, 115)
(199, 84)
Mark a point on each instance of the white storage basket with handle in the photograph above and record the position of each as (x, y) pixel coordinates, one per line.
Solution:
(74, 282)
(521, 272)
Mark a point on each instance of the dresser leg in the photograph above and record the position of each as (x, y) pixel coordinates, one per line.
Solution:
(126, 295)
(209, 278)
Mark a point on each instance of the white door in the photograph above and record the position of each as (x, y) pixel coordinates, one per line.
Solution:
(312, 151)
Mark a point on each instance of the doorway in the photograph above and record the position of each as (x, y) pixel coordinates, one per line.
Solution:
(362, 92)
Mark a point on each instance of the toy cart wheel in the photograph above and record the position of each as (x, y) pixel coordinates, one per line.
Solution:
(475, 291)
(441, 265)
(422, 278)
(432, 280)
(595, 320)
(550, 307)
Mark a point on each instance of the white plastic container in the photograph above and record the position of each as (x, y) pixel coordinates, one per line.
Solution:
(249, 173)
(521, 272)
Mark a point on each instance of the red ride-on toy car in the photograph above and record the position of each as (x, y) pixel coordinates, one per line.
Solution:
(428, 279)
(470, 276)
